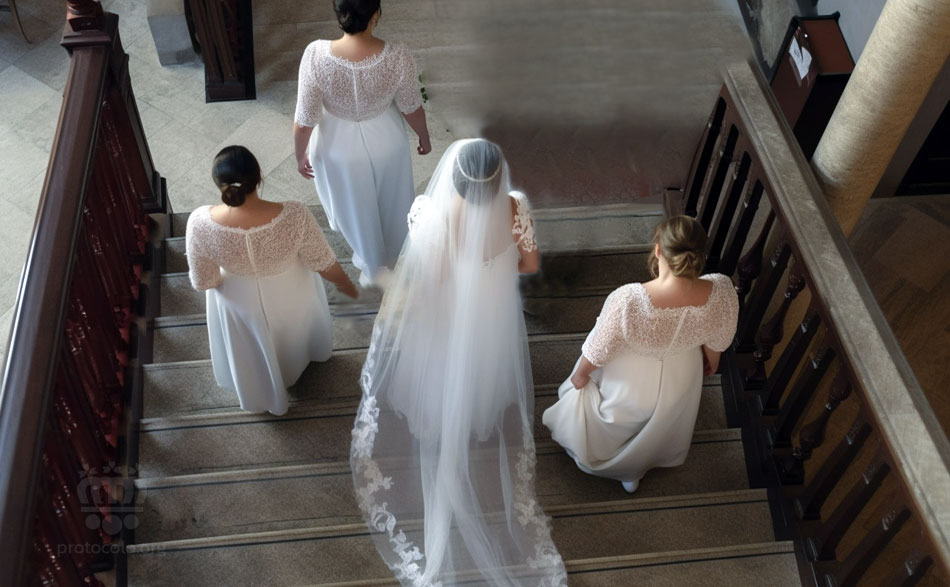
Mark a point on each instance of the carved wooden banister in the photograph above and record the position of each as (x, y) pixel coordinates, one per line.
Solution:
(66, 375)
(873, 403)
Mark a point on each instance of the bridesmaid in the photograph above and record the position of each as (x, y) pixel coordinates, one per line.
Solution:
(353, 90)
(268, 316)
(632, 401)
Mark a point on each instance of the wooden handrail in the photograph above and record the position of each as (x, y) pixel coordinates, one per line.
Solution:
(36, 332)
(61, 395)
(873, 375)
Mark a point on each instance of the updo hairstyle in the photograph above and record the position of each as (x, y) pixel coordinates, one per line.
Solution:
(354, 16)
(477, 173)
(237, 173)
(682, 243)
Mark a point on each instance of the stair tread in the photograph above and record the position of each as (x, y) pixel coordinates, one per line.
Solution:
(319, 562)
(560, 274)
(737, 513)
(182, 338)
(646, 211)
(180, 443)
(305, 486)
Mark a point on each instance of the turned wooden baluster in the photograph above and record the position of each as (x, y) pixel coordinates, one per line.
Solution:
(725, 215)
(700, 168)
(808, 504)
(780, 433)
(812, 435)
(752, 316)
(750, 265)
(713, 191)
(821, 546)
(913, 570)
(738, 232)
(850, 570)
(772, 332)
(781, 376)
(83, 14)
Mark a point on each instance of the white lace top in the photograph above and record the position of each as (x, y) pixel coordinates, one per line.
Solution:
(628, 322)
(355, 90)
(522, 225)
(268, 249)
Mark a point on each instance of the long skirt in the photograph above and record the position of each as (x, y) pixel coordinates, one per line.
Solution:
(363, 175)
(635, 414)
(264, 331)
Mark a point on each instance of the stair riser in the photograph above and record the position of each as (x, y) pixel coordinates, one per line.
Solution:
(559, 275)
(712, 466)
(575, 228)
(354, 557)
(185, 388)
(290, 442)
(189, 341)
(779, 570)
(192, 512)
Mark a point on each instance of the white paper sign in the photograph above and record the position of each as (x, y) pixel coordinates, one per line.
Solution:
(801, 58)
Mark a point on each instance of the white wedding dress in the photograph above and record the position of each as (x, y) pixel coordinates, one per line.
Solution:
(443, 452)
(359, 150)
(267, 310)
(639, 409)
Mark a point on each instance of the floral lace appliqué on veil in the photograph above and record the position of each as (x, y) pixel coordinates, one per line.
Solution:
(371, 480)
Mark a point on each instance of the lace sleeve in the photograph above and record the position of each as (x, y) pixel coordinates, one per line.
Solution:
(420, 207)
(314, 251)
(523, 224)
(309, 99)
(724, 308)
(408, 97)
(609, 335)
(203, 272)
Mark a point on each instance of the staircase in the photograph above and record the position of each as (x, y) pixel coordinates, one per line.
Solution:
(231, 498)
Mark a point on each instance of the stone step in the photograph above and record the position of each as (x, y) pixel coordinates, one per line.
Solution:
(185, 338)
(188, 387)
(346, 552)
(593, 228)
(765, 563)
(640, 217)
(263, 499)
(560, 274)
(195, 444)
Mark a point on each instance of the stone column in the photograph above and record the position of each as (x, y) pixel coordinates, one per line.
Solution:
(909, 45)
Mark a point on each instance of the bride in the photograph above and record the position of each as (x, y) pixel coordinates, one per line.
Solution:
(443, 454)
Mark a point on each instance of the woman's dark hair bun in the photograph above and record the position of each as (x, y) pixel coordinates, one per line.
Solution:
(237, 173)
(354, 16)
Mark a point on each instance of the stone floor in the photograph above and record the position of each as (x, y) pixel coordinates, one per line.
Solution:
(592, 103)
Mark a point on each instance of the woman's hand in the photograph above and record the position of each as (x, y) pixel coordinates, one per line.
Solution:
(425, 147)
(302, 136)
(303, 166)
(579, 380)
(348, 289)
(581, 376)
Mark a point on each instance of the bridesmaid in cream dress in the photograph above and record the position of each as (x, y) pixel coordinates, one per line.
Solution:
(632, 401)
(353, 94)
(268, 316)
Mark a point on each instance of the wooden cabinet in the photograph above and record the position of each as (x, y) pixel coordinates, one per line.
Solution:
(811, 72)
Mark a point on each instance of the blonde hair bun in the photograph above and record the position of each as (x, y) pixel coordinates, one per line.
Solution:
(682, 243)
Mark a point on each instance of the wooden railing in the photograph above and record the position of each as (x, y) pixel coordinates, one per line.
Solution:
(834, 422)
(69, 388)
(225, 34)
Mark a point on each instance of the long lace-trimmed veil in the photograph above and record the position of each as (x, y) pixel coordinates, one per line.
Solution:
(443, 455)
